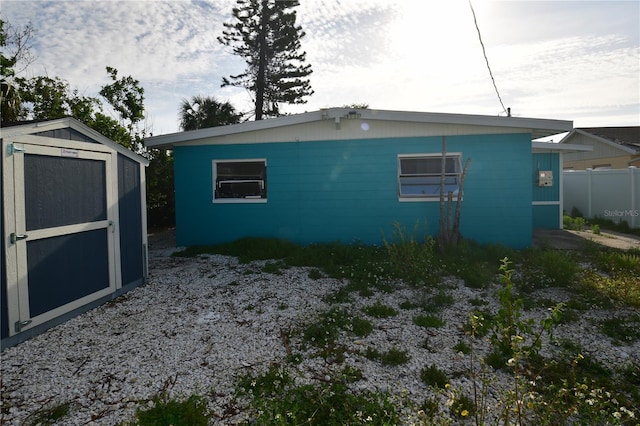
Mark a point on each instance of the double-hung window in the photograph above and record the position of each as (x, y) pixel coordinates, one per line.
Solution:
(240, 180)
(419, 176)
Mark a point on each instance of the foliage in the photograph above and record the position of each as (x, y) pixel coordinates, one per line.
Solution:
(411, 260)
(622, 330)
(49, 415)
(160, 190)
(190, 412)
(48, 98)
(276, 401)
(434, 376)
(393, 356)
(15, 44)
(264, 33)
(474, 263)
(428, 321)
(205, 111)
(328, 327)
(574, 224)
(543, 268)
(379, 310)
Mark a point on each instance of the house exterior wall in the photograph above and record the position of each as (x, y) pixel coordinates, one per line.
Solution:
(547, 207)
(347, 190)
(619, 162)
(603, 155)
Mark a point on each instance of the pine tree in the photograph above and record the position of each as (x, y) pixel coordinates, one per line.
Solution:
(265, 34)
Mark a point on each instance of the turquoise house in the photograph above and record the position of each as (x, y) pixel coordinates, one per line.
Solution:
(349, 175)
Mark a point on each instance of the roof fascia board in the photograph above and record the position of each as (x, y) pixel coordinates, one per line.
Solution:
(602, 140)
(556, 147)
(248, 126)
(544, 127)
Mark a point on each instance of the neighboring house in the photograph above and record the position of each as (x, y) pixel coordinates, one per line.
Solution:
(613, 148)
(73, 224)
(349, 175)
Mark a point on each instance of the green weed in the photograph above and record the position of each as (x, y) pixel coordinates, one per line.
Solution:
(190, 412)
(622, 330)
(378, 310)
(393, 356)
(327, 403)
(428, 321)
(433, 376)
(49, 415)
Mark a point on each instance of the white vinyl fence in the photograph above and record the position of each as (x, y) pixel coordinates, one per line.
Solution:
(608, 194)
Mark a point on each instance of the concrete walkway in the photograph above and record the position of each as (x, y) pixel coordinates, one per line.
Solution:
(575, 240)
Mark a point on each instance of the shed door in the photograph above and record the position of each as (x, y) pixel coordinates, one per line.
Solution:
(63, 238)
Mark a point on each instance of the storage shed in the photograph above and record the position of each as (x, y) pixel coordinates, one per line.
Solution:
(73, 224)
(349, 175)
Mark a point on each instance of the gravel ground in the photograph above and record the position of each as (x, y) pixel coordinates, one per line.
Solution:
(200, 323)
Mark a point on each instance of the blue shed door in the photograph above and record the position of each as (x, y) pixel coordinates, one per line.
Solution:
(61, 249)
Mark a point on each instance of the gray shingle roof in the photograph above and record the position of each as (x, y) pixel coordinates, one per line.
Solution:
(628, 136)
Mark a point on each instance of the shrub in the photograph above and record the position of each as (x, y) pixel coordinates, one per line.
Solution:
(380, 311)
(412, 261)
(428, 321)
(328, 403)
(433, 376)
(191, 412)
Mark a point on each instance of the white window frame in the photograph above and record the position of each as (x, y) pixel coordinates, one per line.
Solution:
(435, 195)
(238, 200)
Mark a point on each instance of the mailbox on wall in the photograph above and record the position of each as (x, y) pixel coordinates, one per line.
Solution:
(545, 178)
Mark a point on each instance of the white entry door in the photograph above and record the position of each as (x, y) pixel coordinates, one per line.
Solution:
(60, 220)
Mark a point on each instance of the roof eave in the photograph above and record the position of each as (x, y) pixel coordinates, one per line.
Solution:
(556, 147)
(539, 128)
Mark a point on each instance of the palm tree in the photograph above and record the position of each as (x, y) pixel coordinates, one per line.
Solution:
(206, 111)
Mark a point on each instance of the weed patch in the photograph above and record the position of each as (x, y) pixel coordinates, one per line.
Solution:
(380, 311)
(428, 321)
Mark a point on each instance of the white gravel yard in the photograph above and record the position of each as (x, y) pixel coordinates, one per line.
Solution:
(200, 323)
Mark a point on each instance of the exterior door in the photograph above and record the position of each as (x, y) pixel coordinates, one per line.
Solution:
(60, 228)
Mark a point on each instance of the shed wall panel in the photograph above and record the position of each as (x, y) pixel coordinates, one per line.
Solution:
(347, 190)
(130, 216)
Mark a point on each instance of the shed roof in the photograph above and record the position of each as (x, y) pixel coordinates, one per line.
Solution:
(625, 138)
(447, 123)
(33, 127)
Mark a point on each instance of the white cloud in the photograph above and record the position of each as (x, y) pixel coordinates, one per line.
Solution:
(569, 60)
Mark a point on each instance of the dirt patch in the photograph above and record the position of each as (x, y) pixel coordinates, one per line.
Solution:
(162, 239)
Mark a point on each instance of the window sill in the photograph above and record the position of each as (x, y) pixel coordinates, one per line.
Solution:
(424, 199)
(239, 200)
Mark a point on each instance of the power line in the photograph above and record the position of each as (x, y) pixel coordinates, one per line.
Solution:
(475, 21)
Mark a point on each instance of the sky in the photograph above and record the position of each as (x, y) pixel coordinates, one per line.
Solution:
(567, 60)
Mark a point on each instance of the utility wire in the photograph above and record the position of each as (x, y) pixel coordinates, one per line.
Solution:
(475, 21)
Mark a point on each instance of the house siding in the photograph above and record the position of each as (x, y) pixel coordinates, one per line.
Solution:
(346, 190)
(546, 199)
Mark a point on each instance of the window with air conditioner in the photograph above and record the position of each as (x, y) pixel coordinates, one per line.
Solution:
(240, 180)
